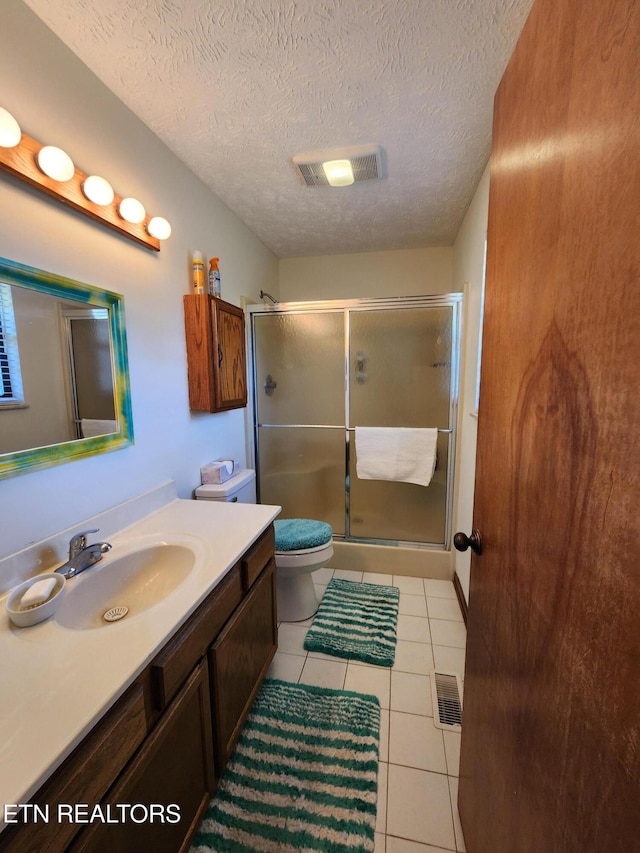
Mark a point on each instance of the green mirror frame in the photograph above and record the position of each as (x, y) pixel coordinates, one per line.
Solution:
(22, 461)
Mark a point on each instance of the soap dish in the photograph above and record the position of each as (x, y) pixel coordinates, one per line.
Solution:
(23, 617)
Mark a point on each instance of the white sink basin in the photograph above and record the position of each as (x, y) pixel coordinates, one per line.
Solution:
(133, 582)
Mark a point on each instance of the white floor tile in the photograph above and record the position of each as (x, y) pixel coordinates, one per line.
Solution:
(453, 788)
(324, 673)
(347, 575)
(377, 577)
(401, 845)
(452, 751)
(291, 638)
(411, 693)
(412, 586)
(413, 657)
(439, 589)
(320, 588)
(419, 807)
(447, 633)
(413, 605)
(322, 576)
(380, 843)
(381, 816)
(414, 628)
(375, 680)
(448, 659)
(384, 735)
(444, 608)
(323, 656)
(286, 667)
(415, 742)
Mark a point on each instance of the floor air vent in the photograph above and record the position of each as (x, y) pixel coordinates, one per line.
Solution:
(447, 700)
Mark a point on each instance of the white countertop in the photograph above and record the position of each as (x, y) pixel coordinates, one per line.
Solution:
(57, 682)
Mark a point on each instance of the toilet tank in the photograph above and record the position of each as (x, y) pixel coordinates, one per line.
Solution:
(240, 488)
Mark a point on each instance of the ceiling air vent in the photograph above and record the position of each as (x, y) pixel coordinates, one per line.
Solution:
(365, 163)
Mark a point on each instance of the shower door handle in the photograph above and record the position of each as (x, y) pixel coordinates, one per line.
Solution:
(461, 542)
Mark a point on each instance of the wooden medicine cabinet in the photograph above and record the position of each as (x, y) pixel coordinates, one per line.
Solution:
(216, 354)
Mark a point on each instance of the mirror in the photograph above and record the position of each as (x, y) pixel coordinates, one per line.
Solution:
(64, 377)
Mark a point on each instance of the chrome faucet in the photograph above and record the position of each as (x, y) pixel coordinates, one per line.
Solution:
(81, 555)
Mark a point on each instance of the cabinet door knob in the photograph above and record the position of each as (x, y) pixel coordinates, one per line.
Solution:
(461, 542)
(220, 356)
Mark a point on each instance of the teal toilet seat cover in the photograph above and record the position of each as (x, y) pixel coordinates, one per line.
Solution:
(295, 534)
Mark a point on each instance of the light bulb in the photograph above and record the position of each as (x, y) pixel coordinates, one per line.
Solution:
(131, 210)
(159, 227)
(339, 172)
(56, 163)
(10, 133)
(98, 190)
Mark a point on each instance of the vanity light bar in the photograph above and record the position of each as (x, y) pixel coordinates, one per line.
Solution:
(22, 161)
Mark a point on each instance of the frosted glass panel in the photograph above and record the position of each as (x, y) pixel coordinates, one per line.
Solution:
(400, 367)
(303, 354)
(380, 509)
(303, 471)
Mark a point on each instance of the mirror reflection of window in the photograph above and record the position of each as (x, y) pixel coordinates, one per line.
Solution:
(11, 394)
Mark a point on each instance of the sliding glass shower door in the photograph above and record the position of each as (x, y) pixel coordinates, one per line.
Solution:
(300, 406)
(323, 369)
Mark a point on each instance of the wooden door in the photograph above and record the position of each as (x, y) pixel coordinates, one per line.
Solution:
(551, 729)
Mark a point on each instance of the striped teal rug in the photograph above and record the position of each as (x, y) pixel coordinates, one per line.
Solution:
(302, 778)
(356, 620)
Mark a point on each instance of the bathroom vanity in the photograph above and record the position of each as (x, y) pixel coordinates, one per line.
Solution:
(143, 722)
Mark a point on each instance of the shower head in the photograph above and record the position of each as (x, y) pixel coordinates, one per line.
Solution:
(264, 293)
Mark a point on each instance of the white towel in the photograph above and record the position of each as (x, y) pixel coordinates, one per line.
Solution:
(401, 454)
(95, 426)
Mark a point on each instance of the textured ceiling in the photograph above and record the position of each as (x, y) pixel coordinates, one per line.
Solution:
(246, 84)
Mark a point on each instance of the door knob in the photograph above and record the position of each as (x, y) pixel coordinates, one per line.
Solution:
(461, 542)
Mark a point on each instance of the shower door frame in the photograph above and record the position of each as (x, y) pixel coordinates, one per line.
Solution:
(345, 306)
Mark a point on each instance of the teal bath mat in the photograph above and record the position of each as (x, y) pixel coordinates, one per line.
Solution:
(303, 776)
(358, 621)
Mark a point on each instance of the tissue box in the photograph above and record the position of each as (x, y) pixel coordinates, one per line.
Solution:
(219, 471)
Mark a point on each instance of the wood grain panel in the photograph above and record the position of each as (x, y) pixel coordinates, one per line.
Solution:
(258, 556)
(84, 776)
(174, 663)
(552, 690)
(239, 660)
(199, 340)
(174, 766)
(229, 345)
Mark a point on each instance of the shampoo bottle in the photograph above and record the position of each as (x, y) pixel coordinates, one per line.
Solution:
(214, 277)
(198, 273)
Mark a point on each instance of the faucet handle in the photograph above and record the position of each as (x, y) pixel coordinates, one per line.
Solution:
(79, 542)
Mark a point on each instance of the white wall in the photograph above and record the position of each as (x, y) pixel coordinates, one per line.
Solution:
(57, 100)
(468, 272)
(404, 272)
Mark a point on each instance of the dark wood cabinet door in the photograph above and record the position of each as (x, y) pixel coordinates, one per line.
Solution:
(239, 660)
(173, 767)
(549, 757)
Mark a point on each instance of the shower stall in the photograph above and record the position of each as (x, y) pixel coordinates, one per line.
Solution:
(321, 369)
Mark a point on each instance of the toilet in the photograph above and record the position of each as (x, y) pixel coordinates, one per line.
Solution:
(303, 545)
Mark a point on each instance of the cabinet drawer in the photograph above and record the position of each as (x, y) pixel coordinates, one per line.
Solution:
(172, 666)
(257, 557)
(84, 777)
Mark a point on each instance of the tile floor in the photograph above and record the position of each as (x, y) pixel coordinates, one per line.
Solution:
(418, 771)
